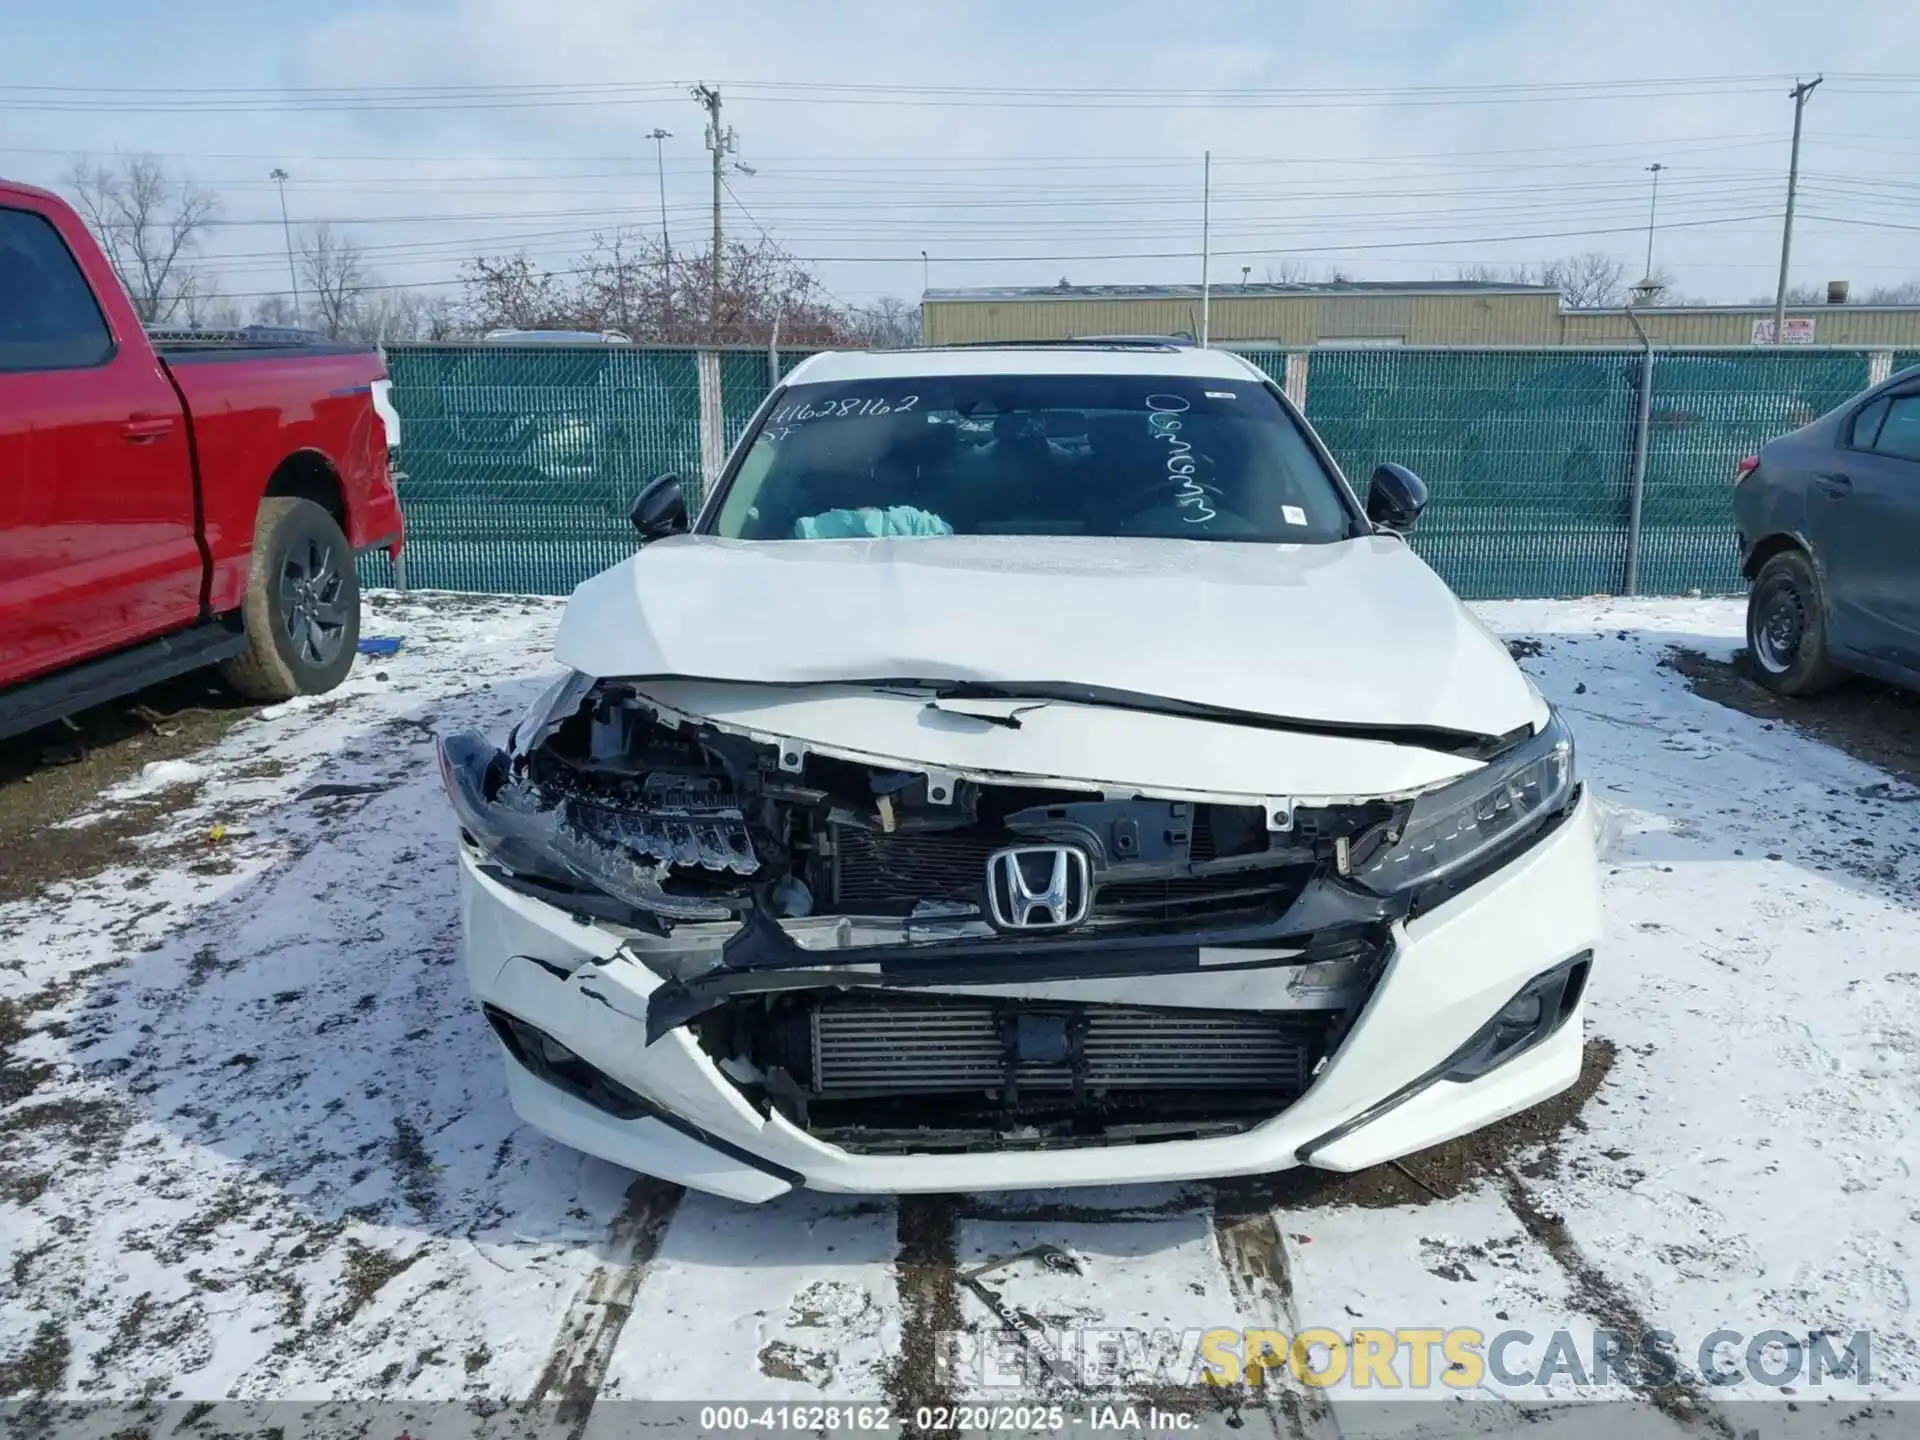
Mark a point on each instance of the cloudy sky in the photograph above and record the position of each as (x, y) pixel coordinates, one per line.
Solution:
(1014, 141)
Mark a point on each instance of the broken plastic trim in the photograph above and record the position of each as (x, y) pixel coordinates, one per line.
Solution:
(527, 1046)
(1560, 989)
(534, 843)
(1329, 921)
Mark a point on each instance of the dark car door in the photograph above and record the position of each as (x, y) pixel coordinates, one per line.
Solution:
(1863, 514)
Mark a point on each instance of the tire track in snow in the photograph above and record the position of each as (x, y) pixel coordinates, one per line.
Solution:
(927, 1271)
(1253, 1253)
(1610, 1306)
(577, 1365)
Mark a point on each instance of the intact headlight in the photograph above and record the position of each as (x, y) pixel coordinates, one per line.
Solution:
(1454, 826)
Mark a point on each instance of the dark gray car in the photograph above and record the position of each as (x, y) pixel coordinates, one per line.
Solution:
(1829, 522)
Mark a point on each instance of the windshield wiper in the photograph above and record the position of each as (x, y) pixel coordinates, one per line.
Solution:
(1467, 743)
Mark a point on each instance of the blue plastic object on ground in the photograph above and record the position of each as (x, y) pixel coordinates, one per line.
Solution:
(379, 644)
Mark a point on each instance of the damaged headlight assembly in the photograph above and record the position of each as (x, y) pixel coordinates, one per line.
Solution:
(555, 704)
(577, 847)
(1463, 825)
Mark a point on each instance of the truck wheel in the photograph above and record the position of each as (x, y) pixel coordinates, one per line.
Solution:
(302, 607)
(1786, 628)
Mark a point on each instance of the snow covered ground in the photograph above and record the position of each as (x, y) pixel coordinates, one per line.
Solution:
(254, 1143)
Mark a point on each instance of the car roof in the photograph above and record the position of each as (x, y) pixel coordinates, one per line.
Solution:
(1092, 359)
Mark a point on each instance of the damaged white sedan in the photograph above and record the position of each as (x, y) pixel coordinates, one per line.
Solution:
(1034, 767)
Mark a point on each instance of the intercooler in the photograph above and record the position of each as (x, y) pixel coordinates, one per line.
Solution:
(863, 1048)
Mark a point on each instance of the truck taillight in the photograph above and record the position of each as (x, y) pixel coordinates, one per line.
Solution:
(1745, 467)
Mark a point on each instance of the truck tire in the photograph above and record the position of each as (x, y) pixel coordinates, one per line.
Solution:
(302, 606)
(1787, 628)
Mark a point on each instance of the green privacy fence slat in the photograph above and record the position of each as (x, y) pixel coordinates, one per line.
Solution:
(1525, 453)
(520, 461)
(1903, 359)
(1709, 409)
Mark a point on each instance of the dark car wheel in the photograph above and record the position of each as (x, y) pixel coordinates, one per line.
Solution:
(302, 607)
(1786, 627)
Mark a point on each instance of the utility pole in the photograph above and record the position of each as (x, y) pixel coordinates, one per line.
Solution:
(280, 178)
(1206, 248)
(722, 142)
(1653, 206)
(1800, 93)
(657, 135)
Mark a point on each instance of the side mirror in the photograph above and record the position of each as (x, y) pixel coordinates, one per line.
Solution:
(660, 509)
(1395, 498)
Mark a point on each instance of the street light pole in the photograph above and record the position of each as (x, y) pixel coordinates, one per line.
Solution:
(1800, 93)
(1653, 206)
(280, 178)
(926, 273)
(657, 135)
(1206, 248)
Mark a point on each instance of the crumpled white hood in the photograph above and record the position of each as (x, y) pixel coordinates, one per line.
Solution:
(1356, 633)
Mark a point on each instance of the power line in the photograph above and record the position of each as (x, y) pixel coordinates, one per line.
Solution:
(181, 99)
(1058, 258)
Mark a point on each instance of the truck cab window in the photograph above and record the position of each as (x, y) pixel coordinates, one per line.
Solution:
(48, 317)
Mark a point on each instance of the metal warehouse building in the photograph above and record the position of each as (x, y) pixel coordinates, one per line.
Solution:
(1361, 312)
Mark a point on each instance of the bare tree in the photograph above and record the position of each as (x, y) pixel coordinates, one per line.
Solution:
(336, 277)
(887, 324)
(147, 224)
(623, 283)
(1657, 288)
(1590, 280)
(511, 291)
(396, 315)
(1586, 281)
(1289, 272)
(275, 310)
(202, 305)
(1907, 292)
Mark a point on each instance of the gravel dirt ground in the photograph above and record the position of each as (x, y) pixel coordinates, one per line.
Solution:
(254, 1144)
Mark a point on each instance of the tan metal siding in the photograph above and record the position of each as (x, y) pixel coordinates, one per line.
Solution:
(1297, 320)
(962, 322)
(1833, 325)
(1282, 320)
(1485, 320)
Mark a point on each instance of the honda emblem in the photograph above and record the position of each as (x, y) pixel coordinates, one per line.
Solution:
(1038, 887)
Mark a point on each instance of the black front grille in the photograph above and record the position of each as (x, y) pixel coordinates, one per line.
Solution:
(889, 874)
(878, 874)
(1169, 899)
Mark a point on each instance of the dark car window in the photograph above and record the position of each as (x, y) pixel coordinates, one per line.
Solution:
(48, 317)
(1900, 431)
(1866, 424)
(1106, 455)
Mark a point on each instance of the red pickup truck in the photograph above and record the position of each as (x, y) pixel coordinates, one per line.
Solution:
(165, 506)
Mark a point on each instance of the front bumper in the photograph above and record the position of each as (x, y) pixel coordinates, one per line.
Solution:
(1452, 969)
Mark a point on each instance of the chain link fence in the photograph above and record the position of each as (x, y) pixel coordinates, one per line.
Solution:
(520, 462)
